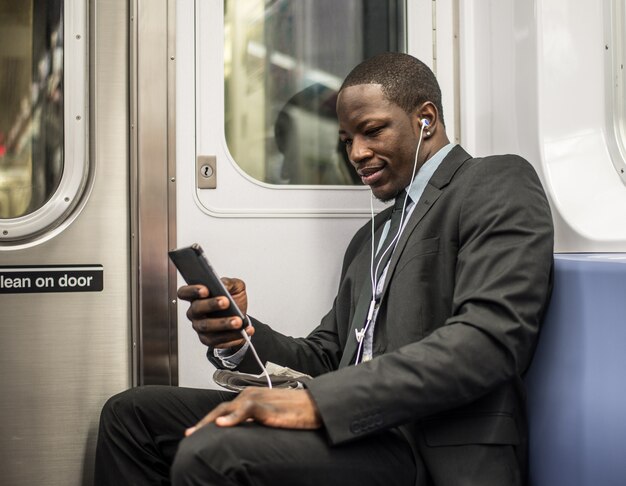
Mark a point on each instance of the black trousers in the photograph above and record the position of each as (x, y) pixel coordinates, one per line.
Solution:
(141, 442)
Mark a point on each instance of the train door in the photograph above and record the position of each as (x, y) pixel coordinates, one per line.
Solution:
(65, 341)
(262, 183)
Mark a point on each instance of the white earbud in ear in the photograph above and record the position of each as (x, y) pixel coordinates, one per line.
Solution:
(425, 122)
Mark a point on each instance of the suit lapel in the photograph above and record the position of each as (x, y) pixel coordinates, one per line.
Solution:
(435, 187)
(428, 199)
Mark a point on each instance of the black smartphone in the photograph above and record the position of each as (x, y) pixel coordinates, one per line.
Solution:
(195, 268)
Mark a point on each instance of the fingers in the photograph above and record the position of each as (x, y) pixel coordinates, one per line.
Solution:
(217, 324)
(192, 292)
(217, 334)
(226, 414)
(206, 306)
(202, 303)
(237, 289)
(234, 285)
(232, 414)
(221, 332)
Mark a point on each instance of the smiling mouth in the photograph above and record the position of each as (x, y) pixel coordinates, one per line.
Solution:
(371, 175)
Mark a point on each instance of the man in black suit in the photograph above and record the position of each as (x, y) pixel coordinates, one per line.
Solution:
(442, 323)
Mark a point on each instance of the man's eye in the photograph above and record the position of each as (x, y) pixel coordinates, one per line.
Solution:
(372, 132)
(347, 142)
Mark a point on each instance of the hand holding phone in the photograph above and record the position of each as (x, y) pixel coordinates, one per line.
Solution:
(209, 319)
(195, 268)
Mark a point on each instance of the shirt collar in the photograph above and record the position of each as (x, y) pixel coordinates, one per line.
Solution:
(426, 171)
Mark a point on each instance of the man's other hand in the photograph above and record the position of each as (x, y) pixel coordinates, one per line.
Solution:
(281, 408)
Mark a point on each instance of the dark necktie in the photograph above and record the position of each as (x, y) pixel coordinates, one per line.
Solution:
(382, 257)
(365, 297)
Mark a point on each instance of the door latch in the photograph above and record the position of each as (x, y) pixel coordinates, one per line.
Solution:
(206, 171)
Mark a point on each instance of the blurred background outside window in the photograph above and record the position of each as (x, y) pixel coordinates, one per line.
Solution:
(31, 104)
(284, 62)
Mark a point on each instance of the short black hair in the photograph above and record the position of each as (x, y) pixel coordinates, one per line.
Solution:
(405, 80)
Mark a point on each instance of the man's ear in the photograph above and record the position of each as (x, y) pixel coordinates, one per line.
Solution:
(427, 118)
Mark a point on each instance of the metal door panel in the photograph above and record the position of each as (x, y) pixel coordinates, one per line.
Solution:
(63, 354)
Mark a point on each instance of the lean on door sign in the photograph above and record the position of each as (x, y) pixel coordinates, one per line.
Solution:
(51, 278)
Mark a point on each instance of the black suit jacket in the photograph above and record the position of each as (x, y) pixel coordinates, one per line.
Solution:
(464, 296)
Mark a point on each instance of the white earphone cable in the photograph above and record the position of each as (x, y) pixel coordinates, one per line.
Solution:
(360, 335)
(256, 356)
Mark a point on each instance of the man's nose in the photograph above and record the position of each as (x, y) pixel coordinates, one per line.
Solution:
(359, 151)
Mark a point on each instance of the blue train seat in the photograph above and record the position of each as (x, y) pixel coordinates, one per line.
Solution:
(577, 381)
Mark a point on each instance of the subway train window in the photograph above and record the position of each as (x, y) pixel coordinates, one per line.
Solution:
(31, 121)
(40, 180)
(283, 62)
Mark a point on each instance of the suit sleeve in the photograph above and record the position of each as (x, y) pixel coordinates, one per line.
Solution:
(502, 285)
